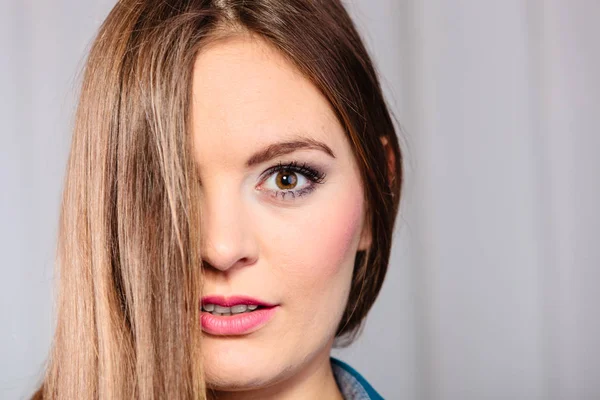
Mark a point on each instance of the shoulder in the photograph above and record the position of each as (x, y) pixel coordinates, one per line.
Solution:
(352, 384)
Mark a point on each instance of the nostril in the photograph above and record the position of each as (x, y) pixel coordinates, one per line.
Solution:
(207, 265)
(226, 263)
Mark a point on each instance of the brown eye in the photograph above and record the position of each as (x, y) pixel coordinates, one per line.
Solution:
(290, 179)
(286, 179)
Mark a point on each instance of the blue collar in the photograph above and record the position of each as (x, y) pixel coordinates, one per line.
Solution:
(352, 384)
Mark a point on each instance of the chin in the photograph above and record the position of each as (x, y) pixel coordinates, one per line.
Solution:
(232, 378)
(235, 365)
(247, 382)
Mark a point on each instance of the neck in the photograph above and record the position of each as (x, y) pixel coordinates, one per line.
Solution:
(314, 381)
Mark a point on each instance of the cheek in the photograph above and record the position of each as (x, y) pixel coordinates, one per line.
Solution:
(319, 250)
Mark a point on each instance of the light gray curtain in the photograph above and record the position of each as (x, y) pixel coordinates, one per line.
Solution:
(492, 288)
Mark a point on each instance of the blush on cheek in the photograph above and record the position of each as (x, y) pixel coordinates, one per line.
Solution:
(336, 238)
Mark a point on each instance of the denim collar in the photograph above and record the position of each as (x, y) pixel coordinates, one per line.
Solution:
(352, 384)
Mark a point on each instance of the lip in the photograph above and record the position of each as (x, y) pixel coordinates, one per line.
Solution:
(239, 324)
(234, 301)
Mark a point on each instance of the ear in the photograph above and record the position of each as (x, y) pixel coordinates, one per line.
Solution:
(366, 236)
(391, 160)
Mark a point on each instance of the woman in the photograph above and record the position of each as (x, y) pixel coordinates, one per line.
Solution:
(231, 193)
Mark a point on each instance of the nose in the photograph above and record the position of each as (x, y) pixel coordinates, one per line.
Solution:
(228, 240)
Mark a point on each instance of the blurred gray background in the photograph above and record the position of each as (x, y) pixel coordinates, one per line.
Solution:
(492, 287)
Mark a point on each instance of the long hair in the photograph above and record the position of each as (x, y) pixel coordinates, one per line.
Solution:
(129, 260)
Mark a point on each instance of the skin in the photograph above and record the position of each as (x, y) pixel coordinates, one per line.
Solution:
(297, 252)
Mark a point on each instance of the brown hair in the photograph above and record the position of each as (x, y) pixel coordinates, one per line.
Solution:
(128, 254)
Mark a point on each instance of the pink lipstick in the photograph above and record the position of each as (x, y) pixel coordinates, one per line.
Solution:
(236, 315)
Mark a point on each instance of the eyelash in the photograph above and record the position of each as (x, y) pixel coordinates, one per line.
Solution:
(314, 176)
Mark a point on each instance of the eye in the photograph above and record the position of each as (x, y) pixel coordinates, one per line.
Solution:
(291, 180)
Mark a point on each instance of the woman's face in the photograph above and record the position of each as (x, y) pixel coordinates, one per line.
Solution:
(286, 238)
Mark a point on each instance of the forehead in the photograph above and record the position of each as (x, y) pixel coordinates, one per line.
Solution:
(246, 95)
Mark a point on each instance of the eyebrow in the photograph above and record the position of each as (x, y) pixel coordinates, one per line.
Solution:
(282, 148)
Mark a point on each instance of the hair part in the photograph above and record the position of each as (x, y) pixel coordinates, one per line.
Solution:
(128, 253)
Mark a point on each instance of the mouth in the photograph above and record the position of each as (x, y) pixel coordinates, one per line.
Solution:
(237, 315)
(218, 310)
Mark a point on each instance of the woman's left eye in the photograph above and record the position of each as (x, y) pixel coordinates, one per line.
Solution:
(289, 181)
